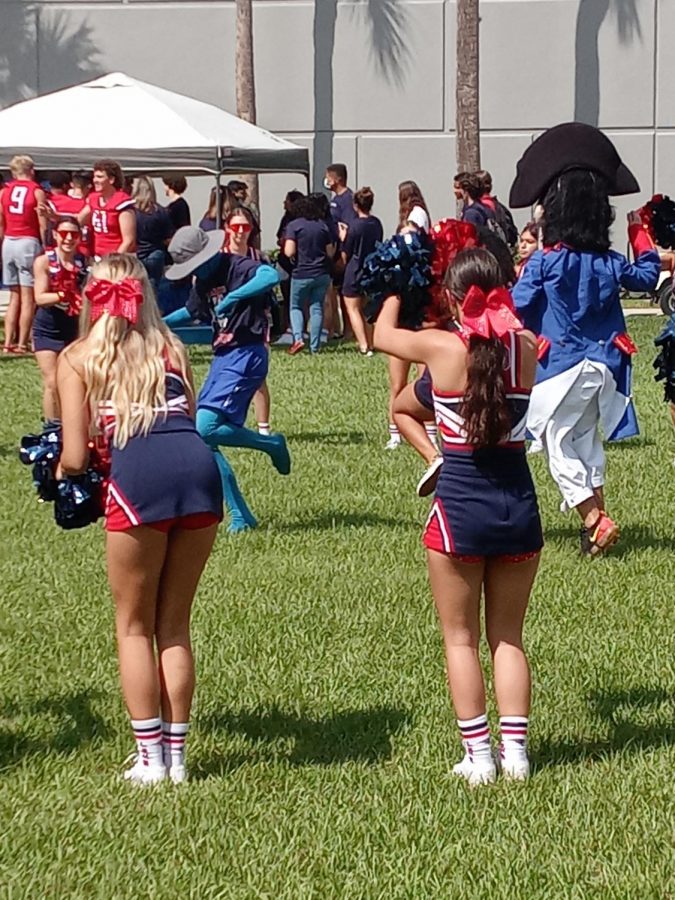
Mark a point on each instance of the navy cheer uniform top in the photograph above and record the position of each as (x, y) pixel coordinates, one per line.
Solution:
(53, 327)
(247, 322)
(168, 476)
(485, 503)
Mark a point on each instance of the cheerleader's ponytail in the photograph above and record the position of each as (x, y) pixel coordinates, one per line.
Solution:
(485, 409)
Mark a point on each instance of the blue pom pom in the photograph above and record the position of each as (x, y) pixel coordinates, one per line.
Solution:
(400, 265)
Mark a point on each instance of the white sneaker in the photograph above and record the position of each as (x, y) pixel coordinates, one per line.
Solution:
(140, 773)
(178, 773)
(393, 443)
(514, 766)
(427, 483)
(482, 771)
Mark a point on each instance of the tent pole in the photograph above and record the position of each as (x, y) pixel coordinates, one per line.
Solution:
(219, 211)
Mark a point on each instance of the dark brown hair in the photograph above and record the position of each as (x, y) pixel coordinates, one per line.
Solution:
(485, 179)
(67, 220)
(239, 211)
(364, 199)
(409, 196)
(472, 184)
(485, 409)
(339, 170)
(112, 169)
(176, 183)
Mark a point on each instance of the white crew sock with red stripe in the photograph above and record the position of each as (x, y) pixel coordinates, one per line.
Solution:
(476, 738)
(514, 734)
(174, 735)
(513, 747)
(148, 734)
(264, 428)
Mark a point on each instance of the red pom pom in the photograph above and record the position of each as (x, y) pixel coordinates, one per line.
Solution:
(448, 238)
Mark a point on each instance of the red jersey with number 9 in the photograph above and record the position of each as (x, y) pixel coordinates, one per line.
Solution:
(105, 220)
(19, 207)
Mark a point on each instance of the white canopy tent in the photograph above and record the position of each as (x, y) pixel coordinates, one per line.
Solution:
(145, 128)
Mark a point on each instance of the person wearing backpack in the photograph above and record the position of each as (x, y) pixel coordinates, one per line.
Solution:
(502, 213)
(475, 211)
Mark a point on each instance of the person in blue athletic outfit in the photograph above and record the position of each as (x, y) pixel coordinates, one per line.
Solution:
(232, 293)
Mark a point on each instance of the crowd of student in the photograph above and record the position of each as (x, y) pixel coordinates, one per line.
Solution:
(502, 353)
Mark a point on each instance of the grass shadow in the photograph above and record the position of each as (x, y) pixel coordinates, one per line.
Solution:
(614, 708)
(636, 443)
(325, 438)
(77, 725)
(633, 537)
(330, 521)
(641, 537)
(362, 736)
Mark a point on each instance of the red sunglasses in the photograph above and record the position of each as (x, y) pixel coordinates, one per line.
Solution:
(66, 232)
(240, 227)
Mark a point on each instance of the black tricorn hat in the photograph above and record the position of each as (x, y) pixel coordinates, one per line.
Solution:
(572, 145)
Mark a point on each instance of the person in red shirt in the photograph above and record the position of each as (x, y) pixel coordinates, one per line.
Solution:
(64, 202)
(22, 231)
(110, 211)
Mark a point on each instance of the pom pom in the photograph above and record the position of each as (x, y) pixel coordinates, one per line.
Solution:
(658, 216)
(67, 282)
(78, 499)
(665, 361)
(448, 237)
(399, 266)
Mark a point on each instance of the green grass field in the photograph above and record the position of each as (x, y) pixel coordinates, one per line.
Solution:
(323, 736)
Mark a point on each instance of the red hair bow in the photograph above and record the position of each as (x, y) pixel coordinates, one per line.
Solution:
(120, 298)
(489, 315)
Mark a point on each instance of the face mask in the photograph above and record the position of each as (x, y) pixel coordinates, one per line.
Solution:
(327, 184)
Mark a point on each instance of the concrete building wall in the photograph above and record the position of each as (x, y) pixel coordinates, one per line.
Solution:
(371, 82)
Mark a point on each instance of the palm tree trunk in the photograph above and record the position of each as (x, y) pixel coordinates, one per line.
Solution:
(467, 108)
(245, 80)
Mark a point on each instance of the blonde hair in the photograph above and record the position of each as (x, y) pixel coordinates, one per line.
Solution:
(125, 364)
(21, 165)
(144, 194)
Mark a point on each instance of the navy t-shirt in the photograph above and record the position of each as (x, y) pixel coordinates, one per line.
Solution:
(477, 214)
(311, 238)
(247, 322)
(180, 213)
(361, 239)
(153, 230)
(342, 207)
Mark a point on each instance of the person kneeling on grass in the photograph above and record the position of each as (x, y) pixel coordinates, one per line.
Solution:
(483, 533)
(232, 293)
(127, 384)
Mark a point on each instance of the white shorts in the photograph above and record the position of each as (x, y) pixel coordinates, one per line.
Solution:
(573, 444)
(18, 256)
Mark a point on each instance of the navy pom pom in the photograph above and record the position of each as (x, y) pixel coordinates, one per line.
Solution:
(665, 361)
(77, 499)
(401, 266)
